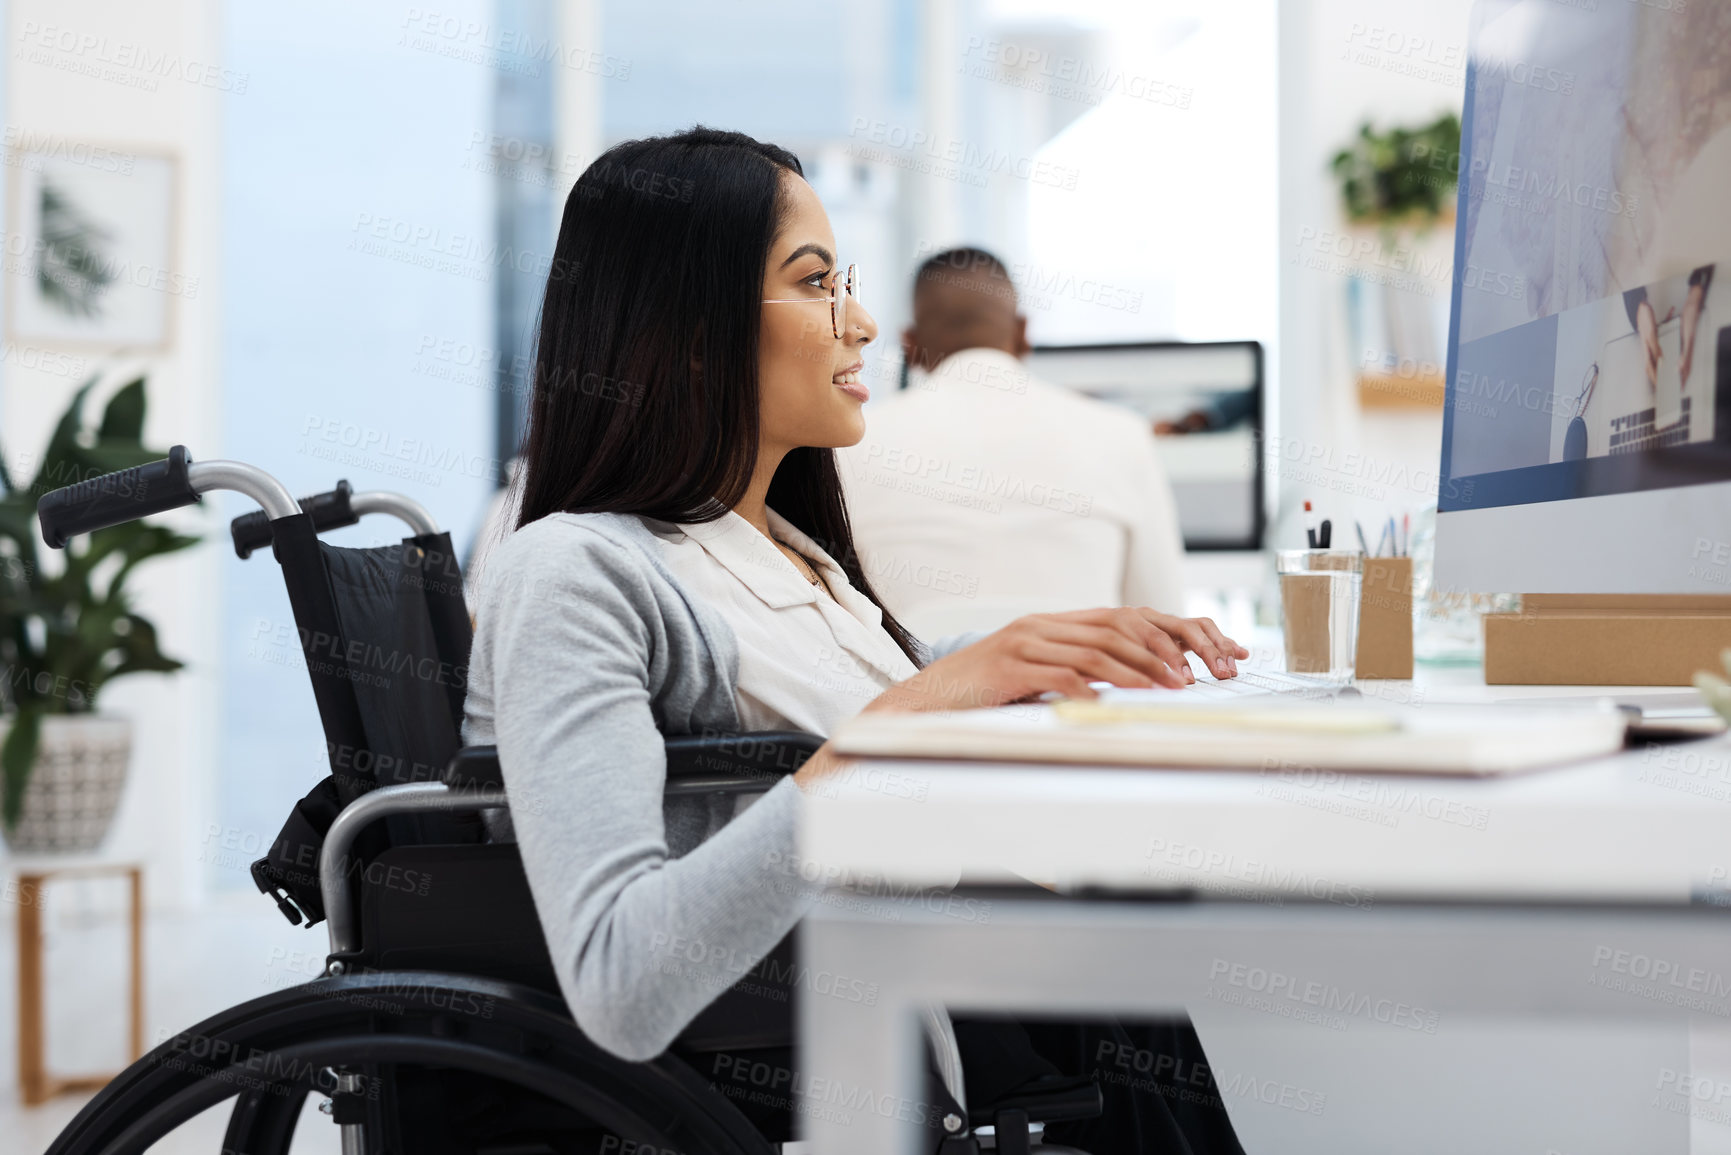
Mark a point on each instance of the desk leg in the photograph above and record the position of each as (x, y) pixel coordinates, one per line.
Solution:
(1444, 964)
(32, 1071)
(859, 1084)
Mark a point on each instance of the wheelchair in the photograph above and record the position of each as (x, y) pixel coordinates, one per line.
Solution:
(437, 1025)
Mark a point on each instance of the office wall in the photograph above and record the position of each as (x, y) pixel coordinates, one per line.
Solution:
(1342, 61)
(129, 75)
(846, 109)
(360, 260)
(1169, 230)
(296, 322)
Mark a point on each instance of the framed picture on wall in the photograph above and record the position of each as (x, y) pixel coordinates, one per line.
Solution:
(90, 257)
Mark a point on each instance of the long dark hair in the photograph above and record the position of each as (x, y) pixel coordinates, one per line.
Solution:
(660, 256)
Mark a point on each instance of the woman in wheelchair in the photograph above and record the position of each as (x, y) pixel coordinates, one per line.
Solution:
(682, 564)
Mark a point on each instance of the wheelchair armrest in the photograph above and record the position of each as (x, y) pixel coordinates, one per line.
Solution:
(1050, 1100)
(696, 763)
(475, 768)
(735, 763)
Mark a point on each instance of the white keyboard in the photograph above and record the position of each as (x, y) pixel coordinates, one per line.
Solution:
(1248, 684)
(1251, 683)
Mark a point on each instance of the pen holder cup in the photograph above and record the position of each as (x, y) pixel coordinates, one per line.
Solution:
(1385, 619)
(1319, 601)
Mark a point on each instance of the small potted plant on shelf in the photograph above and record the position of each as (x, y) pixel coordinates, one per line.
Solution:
(1400, 182)
(63, 636)
(1401, 178)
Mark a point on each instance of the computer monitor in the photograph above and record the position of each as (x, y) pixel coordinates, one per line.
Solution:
(1205, 400)
(1587, 431)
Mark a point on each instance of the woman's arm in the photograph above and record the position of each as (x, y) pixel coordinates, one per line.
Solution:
(1063, 653)
(641, 942)
(949, 644)
(1055, 652)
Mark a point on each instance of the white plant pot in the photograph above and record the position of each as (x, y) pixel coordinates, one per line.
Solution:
(75, 786)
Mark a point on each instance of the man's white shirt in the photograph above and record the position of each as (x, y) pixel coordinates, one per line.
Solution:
(982, 494)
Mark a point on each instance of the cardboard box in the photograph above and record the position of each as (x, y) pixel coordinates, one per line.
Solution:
(1385, 619)
(1607, 640)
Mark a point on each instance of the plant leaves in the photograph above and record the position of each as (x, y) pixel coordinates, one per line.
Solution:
(139, 647)
(1401, 174)
(123, 420)
(111, 457)
(59, 458)
(17, 756)
(136, 540)
(60, 631)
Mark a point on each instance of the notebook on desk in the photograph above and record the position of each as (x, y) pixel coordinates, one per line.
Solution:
(1267, 732)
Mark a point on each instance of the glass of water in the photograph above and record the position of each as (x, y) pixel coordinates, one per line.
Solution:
(1319, 609)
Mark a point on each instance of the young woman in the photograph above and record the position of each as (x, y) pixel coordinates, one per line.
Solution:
(682, 563)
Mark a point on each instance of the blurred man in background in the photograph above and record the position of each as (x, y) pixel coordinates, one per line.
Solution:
(981, 493)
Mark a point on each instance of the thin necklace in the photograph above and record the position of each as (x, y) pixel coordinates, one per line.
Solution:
(810, 571)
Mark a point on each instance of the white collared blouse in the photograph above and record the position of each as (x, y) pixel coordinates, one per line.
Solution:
(809, 659)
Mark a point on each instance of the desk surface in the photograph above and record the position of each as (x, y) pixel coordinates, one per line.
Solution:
(1648, 825)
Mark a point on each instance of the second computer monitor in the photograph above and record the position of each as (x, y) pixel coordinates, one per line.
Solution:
(1203, 405)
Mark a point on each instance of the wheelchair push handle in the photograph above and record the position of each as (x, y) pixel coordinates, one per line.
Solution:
(330, 510)
(116, 498)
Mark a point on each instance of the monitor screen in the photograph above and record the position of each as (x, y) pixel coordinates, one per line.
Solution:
(1203, 404)
(1587, 429)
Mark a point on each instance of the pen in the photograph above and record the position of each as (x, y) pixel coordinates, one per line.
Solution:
(1309, 526)
(1325, 535)
(1393, 537)
(1363, 548)
(1405, 533)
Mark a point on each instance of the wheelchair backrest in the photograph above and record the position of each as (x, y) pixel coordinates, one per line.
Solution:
(386, 637)
(404, 639)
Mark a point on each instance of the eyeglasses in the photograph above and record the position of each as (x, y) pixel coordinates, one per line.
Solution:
(839, 292)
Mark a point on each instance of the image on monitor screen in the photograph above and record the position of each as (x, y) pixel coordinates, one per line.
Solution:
(1590, 338)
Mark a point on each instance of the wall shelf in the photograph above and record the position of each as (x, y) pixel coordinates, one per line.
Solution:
(1394, 391)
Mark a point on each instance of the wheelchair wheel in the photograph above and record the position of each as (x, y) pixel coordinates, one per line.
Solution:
(446, 1063)
(262, 1122)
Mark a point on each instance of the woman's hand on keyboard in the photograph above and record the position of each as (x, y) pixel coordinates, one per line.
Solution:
(1201, 637)
(1064, 652)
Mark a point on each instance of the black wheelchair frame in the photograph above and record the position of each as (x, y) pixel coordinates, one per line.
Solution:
(438, 1025)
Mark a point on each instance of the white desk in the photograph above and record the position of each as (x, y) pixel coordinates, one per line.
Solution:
(1342, 918)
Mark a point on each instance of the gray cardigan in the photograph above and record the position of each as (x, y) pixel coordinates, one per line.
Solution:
(587, 651)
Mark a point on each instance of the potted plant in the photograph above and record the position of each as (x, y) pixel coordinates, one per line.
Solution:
(1401, 183)
(1404, 177)
(63, 636)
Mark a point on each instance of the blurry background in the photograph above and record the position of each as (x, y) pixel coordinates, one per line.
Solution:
(352, 208)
